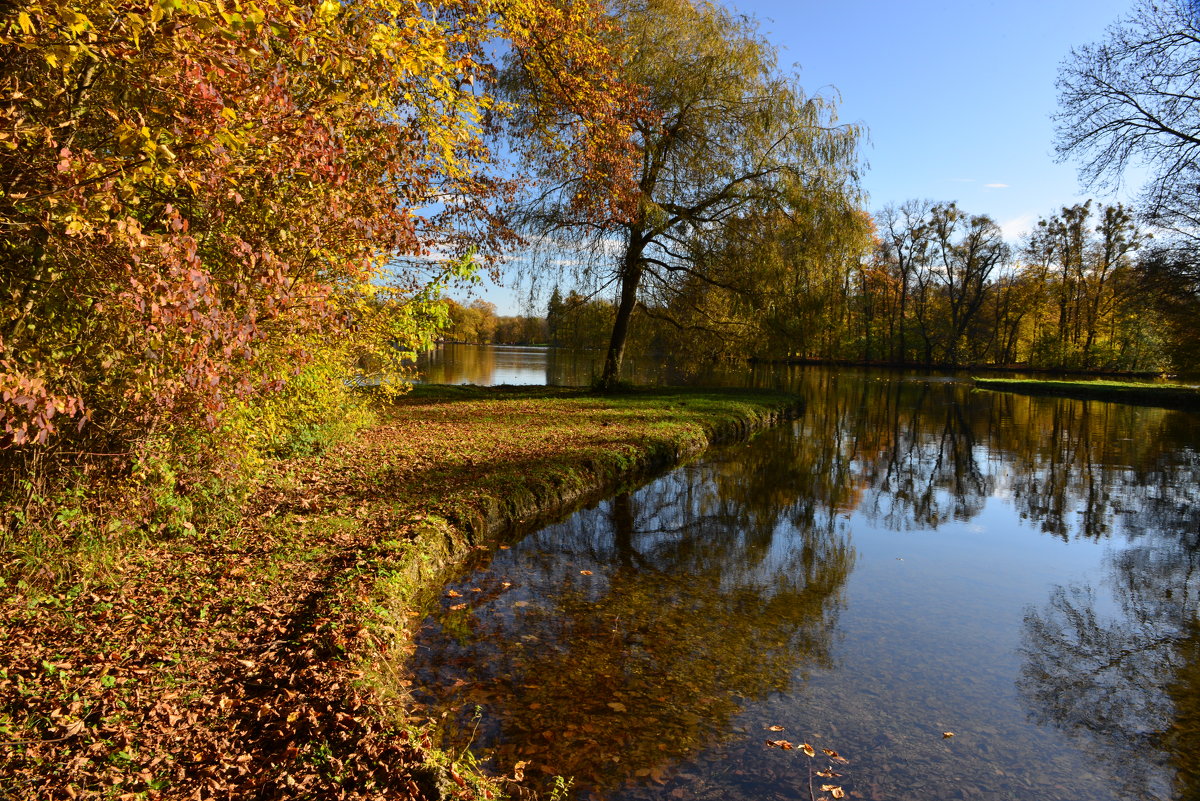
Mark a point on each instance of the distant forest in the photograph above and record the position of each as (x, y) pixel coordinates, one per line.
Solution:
(477, 323)
(933, 285)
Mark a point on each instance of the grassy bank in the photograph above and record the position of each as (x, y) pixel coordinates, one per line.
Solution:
(265, 659)
(1171, 396)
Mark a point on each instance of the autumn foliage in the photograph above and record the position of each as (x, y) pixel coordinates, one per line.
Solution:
(201, 200)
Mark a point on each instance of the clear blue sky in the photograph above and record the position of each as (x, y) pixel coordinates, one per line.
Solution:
(957, 97)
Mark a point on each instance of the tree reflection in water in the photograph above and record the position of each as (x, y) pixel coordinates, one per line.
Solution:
(1127, 685)
(702, 594)
(627, 639)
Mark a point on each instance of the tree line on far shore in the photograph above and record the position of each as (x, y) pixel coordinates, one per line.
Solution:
(931, 284)
(476, 323)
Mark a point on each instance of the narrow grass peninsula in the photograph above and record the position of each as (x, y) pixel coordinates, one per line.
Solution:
(266, 659)
(1170, 396)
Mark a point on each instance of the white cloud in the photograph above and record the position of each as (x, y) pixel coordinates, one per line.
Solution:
(995, 186)
(1017, 227)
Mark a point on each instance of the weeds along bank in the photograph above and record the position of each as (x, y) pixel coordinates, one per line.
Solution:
(260, 651)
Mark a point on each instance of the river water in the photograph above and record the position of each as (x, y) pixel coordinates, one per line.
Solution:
(967, 595)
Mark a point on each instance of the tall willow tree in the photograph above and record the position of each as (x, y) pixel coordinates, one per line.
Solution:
(777, 282)
(722, 137)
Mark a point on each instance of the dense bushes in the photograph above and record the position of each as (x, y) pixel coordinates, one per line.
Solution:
(214, 213)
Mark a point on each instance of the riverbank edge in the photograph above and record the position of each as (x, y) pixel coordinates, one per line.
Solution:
(267, 658)
(405, 591)
(1167, 396)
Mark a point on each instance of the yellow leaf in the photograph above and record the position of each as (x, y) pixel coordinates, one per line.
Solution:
(328, 10)
(25, 22)
(808, 749)
(947, 735)
(774, 728)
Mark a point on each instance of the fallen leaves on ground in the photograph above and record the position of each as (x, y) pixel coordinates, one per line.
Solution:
(221, 664)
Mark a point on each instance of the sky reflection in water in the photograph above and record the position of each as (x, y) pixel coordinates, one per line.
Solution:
(908, 558)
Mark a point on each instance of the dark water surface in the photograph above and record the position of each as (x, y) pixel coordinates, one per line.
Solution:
(908, 558)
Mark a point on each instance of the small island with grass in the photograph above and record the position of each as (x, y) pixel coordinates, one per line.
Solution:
(1169, 396)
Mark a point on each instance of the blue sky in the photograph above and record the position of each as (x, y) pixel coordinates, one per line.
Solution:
(956, 97)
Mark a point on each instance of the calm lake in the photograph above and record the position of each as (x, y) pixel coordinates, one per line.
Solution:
(907, 559)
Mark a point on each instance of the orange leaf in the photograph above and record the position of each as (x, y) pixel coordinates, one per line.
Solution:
(457, 607)
(835, 756)
(784, 744)
(774, 728)
(585, 572)
(946, 735)
(808, 749)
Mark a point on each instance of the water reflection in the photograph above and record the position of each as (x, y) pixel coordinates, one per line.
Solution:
(484, 365)
(490, 365)
(907, 556)
(1126, 684)
(617, 643)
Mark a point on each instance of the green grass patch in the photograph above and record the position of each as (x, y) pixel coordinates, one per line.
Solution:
(1171, 396)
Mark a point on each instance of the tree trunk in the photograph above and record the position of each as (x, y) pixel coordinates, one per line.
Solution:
(631, 277)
